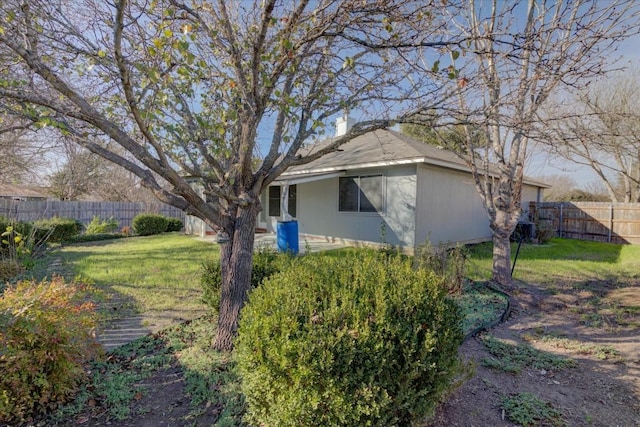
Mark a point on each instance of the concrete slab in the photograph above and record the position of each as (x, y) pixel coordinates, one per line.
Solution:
(269, 240)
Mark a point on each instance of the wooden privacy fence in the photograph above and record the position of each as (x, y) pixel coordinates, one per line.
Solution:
(124, 212)
(603, 222)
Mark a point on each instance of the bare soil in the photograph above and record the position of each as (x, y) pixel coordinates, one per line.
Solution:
(595, 393)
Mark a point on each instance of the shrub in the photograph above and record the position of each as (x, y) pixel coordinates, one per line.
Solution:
(98, 226)
(265, 263)
(20, 242)
(8, 269)
(20, 226)
(46, 334)
(362, 339)
(11, 229)
(544, 232)
(57, 229)
(174, 224)
(148, 224)
(447, 261)
(83, 238)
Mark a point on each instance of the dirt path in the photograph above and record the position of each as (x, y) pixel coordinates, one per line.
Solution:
(596, 324)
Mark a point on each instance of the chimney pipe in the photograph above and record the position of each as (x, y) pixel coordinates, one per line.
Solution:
(343, 124)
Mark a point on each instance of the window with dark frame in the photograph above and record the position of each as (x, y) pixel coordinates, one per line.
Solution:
(360, 193)
(274, 200)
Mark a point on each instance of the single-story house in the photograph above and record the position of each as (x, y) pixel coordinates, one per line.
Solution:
(383, 187)
(22, 192)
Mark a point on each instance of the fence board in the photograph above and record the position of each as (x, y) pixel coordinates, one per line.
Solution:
(604, 222)
(83, 211)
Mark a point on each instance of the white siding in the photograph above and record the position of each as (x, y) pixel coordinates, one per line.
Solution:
(529, 194)
(449, 209)
(318, 213)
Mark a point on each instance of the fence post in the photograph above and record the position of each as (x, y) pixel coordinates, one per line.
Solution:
(610, 222)
(560, 222)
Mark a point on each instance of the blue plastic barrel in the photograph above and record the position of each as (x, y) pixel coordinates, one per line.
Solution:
(287, 236)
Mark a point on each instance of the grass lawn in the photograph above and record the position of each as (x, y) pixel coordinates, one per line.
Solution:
(162, 272)
(562, 259)
(157, 272)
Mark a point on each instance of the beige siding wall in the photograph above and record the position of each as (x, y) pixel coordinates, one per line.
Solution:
(318, 213)
(529, 194)
(449, 208)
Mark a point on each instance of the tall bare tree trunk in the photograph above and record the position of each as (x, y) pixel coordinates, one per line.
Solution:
(502, 259)
(236, 258)
(506, 214)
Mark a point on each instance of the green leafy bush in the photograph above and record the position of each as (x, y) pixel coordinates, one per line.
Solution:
(265, 263)
(10, 230)
(361, 339)
(46, 335)
(20, 242)
(57, 229)
(447, 260)
(148, 224)
(174, 224)
(20, 226)
(98, 226)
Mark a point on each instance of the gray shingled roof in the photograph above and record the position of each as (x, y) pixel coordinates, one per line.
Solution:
(11, 190)
(378, 149)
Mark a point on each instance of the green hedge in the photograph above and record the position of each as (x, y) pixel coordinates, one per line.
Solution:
(149, 224)
(361, 339)
(84, 238)
(174, 224)
(57, 228)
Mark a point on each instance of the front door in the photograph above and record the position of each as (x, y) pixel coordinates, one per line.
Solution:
(274, 209)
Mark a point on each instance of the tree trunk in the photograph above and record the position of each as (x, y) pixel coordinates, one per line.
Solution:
(502, 259)
(503, 223)
(236, 257)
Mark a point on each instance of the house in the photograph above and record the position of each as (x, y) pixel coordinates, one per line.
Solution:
(383, 187)
(22, 192)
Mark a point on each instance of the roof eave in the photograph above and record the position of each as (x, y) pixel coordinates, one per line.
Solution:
(386, 163)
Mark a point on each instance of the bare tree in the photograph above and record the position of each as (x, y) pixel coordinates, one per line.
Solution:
(76, 176)
(560, 186)
(21, 154)
(565, 189)
(601, 129)
(81, 174)
(186, 87)
(515, 56)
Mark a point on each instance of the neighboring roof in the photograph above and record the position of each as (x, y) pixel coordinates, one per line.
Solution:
(21, 191)
(380, 148)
